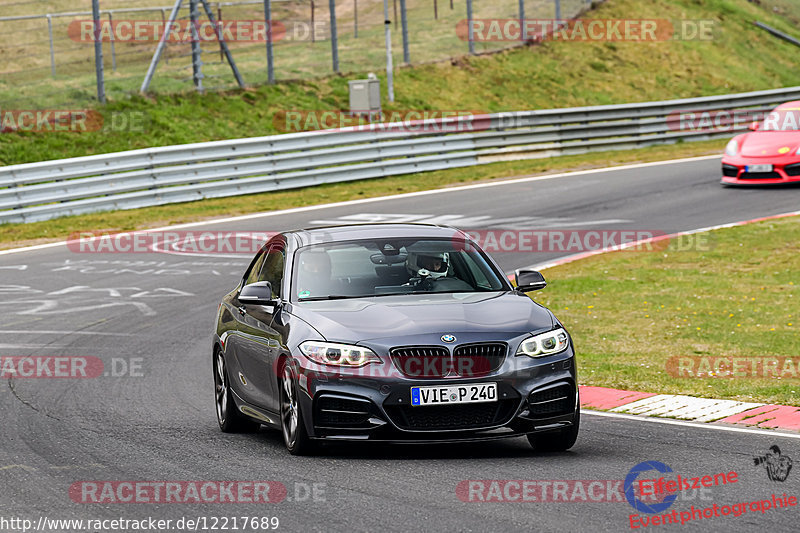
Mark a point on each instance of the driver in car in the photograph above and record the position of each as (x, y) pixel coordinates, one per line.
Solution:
(426, 268)
(436, 265)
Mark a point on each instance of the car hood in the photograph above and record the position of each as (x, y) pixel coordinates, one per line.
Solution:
(770, 143)
(501, 314)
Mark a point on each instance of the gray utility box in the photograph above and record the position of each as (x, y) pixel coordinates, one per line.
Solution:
(365, 96)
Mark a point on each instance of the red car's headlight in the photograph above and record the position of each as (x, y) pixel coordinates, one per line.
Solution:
(732, 148)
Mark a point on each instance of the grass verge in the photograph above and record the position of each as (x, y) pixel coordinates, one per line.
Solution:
(554, 74)
(630, 312)
(14, 235)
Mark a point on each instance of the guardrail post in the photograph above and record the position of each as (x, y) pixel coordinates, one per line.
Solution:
(98, 52)
(355, 19)
(522, 31)
(52, 51)
(558, 9)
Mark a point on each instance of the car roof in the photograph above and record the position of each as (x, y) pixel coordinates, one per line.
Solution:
(375, 231)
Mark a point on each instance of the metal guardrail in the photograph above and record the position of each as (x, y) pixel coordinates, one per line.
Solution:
(157, 176)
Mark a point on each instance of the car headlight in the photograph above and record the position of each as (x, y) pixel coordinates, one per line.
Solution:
(544, 344)
(330, 353)
(732, 148)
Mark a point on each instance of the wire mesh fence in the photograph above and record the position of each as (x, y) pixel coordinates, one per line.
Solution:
(47, 59)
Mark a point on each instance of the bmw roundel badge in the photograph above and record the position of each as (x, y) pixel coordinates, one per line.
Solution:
(448, 338)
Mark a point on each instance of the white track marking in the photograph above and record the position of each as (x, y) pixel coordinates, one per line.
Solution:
(718, 427)
(61, 332)
(685, 407)
(498, 183)
(466, 222)
(15, 346)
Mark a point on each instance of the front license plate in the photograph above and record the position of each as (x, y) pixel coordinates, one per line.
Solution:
(472, 393)
(758, 168)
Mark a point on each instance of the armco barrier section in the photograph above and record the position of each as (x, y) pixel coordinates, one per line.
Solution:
(156, 176)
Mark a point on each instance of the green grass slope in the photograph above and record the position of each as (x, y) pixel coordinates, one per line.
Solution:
(741, 57)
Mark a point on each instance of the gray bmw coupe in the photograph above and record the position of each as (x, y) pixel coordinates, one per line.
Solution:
(391, 332)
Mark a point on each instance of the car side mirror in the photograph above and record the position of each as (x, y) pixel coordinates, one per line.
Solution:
(754, 126)
(258, 293)
(529, 280)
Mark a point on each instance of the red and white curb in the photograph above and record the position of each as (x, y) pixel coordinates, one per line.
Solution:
(674, 406)
(693, 409)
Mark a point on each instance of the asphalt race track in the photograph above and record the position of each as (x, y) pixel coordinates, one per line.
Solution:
(149, 318)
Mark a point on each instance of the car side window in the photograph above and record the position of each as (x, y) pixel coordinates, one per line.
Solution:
(477, 273)
(272, 269)
(252, 274)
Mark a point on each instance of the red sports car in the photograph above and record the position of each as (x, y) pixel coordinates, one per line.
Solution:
(769, 153)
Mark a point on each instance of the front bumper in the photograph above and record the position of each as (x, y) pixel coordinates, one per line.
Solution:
(533, 396)
(786, 169)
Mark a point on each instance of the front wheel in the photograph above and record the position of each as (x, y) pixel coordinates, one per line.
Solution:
(293, 427)
(559, 440)
(228, 417)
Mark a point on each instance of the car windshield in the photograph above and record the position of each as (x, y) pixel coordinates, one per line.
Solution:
(787, 119)
(401, 266)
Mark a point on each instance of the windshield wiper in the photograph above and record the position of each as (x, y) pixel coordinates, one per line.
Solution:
(328, 297)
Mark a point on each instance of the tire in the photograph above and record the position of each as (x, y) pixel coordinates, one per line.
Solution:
(229, 418)
(559, 440)
(293, 428)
